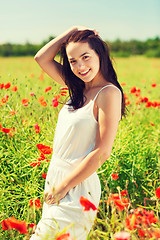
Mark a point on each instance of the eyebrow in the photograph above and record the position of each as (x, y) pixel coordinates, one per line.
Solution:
(80, 55)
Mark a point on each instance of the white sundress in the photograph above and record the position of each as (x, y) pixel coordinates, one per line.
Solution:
(74, 138)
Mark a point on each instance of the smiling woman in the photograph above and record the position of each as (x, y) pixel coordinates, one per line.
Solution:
(85, 132)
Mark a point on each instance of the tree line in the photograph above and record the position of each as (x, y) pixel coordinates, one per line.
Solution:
(119, 48)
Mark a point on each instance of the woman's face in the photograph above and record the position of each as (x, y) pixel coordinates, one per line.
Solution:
(84, 61)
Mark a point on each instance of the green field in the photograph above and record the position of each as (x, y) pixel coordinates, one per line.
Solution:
(135, 154)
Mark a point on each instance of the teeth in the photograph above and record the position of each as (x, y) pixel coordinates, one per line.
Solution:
(84, 72)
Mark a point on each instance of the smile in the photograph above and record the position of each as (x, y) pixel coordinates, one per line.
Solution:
(84, 73)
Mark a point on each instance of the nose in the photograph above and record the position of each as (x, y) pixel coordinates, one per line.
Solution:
(80, 65)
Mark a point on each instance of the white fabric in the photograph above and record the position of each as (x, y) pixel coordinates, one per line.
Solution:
(74, 139)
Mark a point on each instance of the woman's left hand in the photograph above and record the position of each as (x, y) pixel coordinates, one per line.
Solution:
(54, 195)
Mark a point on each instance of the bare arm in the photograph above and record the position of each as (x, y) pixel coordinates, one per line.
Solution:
(109, 104)
(45, 57)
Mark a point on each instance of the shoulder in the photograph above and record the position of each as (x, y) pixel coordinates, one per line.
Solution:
(109, 102)
(109, 94)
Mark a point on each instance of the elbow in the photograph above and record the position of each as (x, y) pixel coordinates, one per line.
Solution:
(37, 58)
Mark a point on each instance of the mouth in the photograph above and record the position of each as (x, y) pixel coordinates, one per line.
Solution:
(84, 73)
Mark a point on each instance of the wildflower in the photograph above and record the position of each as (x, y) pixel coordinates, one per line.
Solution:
(44, 175)
(87, 204)
(63, 93)
(120, 202)
(133, 90)
(1, 85)
(44, 104)
(5, 99)
(6, 130)
(64, 88)
(148, 104)
(141, 233)
(6, 86)
(25, 101)
(13, 223)
(0, 126)
(158, 192)
(125, 96)
(154, 104)
(34, 164)
(127, 102)
(12, 112)
(154, 85)
(152, 124)
(14, 89)
(122, 235)
(123, 84)
(124, 193)
(41, 99)
(35, 202)
(54, 102)
(37, 128)
(44, 149)
(114, 176)
(41, 77)
(64, 236)
(32, 225)
(32, 94)
(47, 89)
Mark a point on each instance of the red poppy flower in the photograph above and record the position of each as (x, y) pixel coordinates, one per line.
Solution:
(123, 84)
(54, 102)
(13, 223)
(0, 126)
(48, 89)
(44, 149)
(64, 236)
(87, 204)
(32, 75)
(34, 164)
(5, 99)
(44, 175)
(12, 112)
(25, 101)
(125, 96)
(64, 88)
(6, 130)
(1, 85)
(127, 102)
(32, 94)
(41, 99)
(154, 85)
(6, 86)
(155, 104)
(35, 202)
(41, 77)
(152, 124)
(63, 93)
(5, 225)
(114, 176)
(133, 90)
(158, 192)
(14, 89)
(37, 128)
(122, 235)
(44, 104)
(124, 193)
(32, 225)
(141, 233)
(148, 104)
(120, 202)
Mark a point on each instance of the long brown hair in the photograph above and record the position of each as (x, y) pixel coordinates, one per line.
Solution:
(76, 85)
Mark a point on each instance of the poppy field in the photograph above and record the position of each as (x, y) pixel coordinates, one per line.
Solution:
(130, 179)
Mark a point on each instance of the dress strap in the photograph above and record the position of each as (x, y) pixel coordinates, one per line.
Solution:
(102, 89)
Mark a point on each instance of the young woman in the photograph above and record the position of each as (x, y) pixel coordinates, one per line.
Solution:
(85, 132)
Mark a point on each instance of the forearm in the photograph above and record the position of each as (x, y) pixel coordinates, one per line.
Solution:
(49, 51)
(86, 168)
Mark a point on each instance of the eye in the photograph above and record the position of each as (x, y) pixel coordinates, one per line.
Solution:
(72, 62)
(85, 57)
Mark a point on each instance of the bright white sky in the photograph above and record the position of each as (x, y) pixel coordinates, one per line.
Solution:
(36, 20)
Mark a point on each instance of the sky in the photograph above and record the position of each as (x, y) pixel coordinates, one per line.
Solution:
(34, 21)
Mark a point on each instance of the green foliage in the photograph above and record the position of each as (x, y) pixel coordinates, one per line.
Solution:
(134, 156)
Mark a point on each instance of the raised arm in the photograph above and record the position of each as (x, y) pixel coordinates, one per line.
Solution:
(45, 56)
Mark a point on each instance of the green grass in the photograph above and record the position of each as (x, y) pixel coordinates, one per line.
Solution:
(135, 154)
